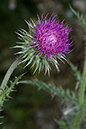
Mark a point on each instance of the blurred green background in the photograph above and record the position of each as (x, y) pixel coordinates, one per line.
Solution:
(31, 108)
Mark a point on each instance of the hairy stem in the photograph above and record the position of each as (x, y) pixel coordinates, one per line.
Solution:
(9, 72)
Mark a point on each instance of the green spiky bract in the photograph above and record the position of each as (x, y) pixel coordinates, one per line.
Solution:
(38, 62)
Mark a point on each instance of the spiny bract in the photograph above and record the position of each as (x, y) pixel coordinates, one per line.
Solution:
(47, 41)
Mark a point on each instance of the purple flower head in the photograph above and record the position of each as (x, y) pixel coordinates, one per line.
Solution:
(47, 41)
(51, 38)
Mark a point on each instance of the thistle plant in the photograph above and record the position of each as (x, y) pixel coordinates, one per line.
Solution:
(46, 43)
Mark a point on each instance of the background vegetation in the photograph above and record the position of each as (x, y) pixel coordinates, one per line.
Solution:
(31, 108)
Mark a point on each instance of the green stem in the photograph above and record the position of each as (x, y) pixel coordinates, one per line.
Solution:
(81, 112)
(79, 117)
(9, 72)
(82, 86)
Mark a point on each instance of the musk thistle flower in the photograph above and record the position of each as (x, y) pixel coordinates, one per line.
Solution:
(47, 41)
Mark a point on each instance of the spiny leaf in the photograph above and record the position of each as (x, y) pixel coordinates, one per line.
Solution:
(80, 18)
(76, 72)
(8, 90)
(65, 95)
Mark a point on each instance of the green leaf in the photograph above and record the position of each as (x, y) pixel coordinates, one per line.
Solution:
(8, 90)
(53, 90)
(76, 72)
(62, 124)
(80, 18)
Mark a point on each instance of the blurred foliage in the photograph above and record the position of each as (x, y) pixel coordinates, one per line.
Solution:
(29, 108)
